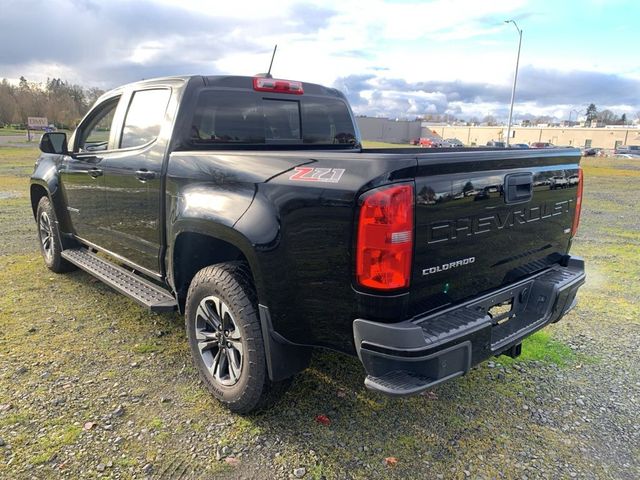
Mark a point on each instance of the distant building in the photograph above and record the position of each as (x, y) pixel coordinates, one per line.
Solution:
(561, 136)
(387, 130)
(403, 131)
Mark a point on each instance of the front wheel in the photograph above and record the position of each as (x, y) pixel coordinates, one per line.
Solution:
(225, 338)
(49, 237)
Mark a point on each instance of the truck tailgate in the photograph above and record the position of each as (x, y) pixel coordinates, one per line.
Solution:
(488, 218)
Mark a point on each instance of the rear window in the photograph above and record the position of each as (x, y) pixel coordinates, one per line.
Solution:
(241, 118)
(144, 117)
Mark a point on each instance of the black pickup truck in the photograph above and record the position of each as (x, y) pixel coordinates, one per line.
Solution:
(249, 204)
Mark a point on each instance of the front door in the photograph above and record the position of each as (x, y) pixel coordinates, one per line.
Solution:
(81, 174)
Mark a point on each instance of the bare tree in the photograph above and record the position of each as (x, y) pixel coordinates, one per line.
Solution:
(8, 105)
(490, 120)
(607, 117)
(61, 102)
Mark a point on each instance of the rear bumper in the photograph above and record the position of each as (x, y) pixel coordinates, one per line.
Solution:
(409, 357)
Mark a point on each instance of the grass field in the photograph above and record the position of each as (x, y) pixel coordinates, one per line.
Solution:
(91, 385)
(11, 132)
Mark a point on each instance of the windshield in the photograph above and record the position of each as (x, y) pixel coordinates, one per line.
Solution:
(245, 118)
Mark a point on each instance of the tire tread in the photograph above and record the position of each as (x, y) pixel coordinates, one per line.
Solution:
(235, 280)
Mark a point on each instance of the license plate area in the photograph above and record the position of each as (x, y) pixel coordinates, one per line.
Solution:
(509, 312)
(501, 312)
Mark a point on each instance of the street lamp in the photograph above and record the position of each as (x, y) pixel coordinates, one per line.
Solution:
(515, 79)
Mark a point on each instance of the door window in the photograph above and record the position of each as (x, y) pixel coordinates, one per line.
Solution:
(144, 117)
(95, 134)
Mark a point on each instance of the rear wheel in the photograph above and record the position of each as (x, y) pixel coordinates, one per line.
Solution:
(225, 337)
(49, 237)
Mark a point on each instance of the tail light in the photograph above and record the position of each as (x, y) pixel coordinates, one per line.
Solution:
(576, 216)
(384, 247)
(262, 84)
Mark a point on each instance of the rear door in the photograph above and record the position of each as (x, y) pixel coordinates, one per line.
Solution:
(485, 219)
(133, 178)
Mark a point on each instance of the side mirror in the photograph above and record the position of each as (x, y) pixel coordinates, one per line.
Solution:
(54, 142)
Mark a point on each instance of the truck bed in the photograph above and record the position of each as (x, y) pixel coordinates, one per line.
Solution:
(460, 216)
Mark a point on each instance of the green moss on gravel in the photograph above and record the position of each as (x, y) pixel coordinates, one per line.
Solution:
(543, 347)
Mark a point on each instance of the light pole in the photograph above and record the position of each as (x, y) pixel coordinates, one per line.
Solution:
(515, 79)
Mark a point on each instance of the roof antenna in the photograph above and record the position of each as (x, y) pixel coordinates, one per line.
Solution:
(268, 75)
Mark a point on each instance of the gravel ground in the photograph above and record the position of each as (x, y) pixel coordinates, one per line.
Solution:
(92, 386)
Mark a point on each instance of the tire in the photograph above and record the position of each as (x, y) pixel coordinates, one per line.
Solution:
(49, 237)
(225, 338)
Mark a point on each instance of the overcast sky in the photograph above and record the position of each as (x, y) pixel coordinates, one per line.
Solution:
(392, 58)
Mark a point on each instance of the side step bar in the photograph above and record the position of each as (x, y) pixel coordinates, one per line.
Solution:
(147, 294)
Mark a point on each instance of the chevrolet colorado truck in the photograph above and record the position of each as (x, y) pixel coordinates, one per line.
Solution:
(249, 205)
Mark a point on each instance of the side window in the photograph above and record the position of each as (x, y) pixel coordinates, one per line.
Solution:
(144, 117)
(95, 134)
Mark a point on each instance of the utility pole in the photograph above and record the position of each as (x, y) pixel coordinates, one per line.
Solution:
(515, 79)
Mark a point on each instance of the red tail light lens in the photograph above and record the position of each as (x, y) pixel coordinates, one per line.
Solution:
(384, 247)
(576, 217)
(262, 84)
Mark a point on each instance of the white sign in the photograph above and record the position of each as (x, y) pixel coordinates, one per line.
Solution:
(37, 122)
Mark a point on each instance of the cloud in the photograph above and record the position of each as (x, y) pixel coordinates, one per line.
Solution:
(309, 17)
(538, 91)
(558, 87)
(109, 43)
(378, 53)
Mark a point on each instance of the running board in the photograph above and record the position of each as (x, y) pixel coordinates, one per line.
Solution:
(147, 294)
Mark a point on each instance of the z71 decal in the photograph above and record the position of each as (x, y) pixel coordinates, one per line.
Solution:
(310, 174)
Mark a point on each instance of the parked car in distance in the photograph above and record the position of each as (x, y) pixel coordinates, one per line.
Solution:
(414, 141)
(454, 143)
(482, 195)
(496, 144)
(542, 145)
(590, 152)
(539, 183)
(519, 145)
(558, 182)
(432, 142)
(574, 180)
(628, 151)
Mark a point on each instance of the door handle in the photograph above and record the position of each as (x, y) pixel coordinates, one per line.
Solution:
(94, 172)
(92, 159)
(143, 175)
